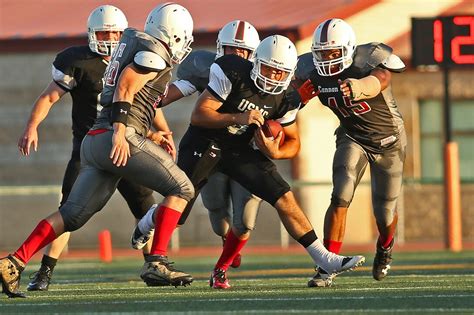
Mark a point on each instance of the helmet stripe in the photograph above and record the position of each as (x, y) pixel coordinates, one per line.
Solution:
(239, 34)
(324, 31)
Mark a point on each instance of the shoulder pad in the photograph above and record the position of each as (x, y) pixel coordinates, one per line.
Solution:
(393, 63)
(234, 67)
(304, 66)
(71, 55)
(196, 65)
(148, 43)
(369, 56)
(149, 60)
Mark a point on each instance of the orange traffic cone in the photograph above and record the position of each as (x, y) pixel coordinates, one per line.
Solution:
(105, 246)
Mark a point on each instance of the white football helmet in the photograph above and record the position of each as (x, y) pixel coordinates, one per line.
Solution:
(105, 18)
(172, 24)
(277, 52)
(239, 34)
(329, 35)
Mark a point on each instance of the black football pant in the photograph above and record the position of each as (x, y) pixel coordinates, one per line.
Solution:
(200, 157)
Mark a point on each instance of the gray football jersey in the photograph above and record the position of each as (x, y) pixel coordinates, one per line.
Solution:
(374, 123)
(195, 68)
(148, 99)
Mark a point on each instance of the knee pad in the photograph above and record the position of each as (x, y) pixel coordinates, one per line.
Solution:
(220, 222)
(187, 191)
(183, 190)
(247, 216)
(337, 201)
(384, 209)
(244, 226)
(242, 229)
(73, 216)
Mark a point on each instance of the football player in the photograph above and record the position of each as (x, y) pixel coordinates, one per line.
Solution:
(354, 82)
(116, 146)
(239, 97)
(239, 38)
(78, 70)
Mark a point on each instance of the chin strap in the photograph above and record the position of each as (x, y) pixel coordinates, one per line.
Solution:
(367, 87)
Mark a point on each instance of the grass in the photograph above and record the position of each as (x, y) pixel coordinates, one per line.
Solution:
(432, 282)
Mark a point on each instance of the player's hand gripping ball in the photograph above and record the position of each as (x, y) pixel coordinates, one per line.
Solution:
(271, 128)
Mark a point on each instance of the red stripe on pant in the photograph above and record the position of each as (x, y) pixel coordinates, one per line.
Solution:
(96, 132)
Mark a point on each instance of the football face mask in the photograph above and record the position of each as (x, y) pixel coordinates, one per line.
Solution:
(102, 24)
(330, 61)
(270, 79)
(274, 64)
(333, 47)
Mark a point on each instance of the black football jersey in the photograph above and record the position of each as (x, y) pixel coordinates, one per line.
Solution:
(241, 95)
(374, 123)
(195, 69)
(79, 71)
(147, 99)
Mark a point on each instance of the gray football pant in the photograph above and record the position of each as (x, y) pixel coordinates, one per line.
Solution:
(149, 165)
(217, 195)
(349, 164)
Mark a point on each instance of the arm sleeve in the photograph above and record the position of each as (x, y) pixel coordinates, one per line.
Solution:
(219, 84)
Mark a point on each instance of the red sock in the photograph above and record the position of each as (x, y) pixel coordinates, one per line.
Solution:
(165, 223)
(333, 246)
(41, 236)
(232, 246)
(385, 242)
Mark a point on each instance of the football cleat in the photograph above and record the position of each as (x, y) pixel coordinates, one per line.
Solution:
(321, 279)
(40, 279)
(346, 264)
(158, 271)
(219, 280)
(139, 239)
(10, 274)
(237, 261)
(382, 260)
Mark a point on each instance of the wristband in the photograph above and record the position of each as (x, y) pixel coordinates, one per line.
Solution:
(120, 112)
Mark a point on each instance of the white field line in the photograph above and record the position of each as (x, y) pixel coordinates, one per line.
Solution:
(188, 299)
(29, 190)
(299, 311)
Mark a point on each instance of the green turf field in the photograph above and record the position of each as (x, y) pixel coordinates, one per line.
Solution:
(419, 283)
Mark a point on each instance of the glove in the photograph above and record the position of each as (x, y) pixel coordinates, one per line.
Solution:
(307, 92)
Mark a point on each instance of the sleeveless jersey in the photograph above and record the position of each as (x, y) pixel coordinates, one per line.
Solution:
(374, 123)
(242, 95)
(147, 99)
(79, 71)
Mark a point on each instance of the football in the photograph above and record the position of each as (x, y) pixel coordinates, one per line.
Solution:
(271, 128)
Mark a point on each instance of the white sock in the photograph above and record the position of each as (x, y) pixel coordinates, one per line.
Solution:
(330, 262)
(147, 223)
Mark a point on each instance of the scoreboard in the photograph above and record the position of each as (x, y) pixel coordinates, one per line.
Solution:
(445, 41)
